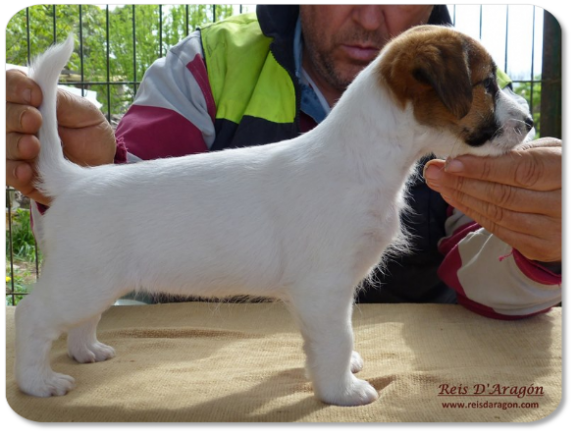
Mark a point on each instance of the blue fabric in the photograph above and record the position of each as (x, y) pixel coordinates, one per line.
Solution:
(310, 103)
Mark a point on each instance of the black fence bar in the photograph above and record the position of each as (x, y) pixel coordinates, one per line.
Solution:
(532, 64)
(507, 35)
(10, 246)
(29, 57)
(54, 23)
(160, 31)
(134, 65)
(481, 21)
(108, 111)
(552, 78)
(82, 86)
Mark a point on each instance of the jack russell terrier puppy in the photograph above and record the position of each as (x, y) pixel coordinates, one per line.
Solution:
(303, 220)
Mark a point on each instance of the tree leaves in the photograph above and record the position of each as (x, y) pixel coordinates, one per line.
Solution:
(115, 44)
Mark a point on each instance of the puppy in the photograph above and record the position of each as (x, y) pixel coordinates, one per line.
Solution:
(303, 220)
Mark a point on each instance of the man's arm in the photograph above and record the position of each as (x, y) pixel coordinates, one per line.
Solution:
(503, 256)
(173, 112)
(490, 276)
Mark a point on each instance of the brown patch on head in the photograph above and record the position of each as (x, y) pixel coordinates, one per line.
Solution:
(448, 77)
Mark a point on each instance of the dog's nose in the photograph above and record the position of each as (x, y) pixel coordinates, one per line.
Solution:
(529, 122)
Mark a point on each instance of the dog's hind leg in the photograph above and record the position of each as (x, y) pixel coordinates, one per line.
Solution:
(325, 322)
(84, 347)
(57, 303)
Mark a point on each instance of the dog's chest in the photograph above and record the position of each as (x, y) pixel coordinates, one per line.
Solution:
(382, 226)
(381, 220)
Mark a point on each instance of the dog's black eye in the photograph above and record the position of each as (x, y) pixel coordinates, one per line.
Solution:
(490, 85)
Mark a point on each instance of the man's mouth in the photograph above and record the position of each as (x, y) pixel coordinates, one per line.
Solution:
(360, 53)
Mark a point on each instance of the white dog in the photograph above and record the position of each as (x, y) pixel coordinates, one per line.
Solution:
(303, 220)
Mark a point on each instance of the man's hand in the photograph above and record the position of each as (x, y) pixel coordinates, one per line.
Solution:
(517, 196)
(87, 137)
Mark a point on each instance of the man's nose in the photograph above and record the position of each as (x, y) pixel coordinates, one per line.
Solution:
(369, 17)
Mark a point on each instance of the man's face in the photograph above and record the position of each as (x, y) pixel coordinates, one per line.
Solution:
(339, 41)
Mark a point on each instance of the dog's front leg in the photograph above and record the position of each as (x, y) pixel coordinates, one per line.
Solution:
(83, 345)
(356, 362)
(325, 323)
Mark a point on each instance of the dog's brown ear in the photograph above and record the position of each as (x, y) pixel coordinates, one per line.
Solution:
(445, 69)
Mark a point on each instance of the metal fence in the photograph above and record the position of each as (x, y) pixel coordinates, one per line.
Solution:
(525, 42)
(166, 24)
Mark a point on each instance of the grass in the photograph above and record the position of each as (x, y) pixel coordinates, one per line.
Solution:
(24, 273)
(24, 276)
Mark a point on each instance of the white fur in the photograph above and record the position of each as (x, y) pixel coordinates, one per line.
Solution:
(303, 220)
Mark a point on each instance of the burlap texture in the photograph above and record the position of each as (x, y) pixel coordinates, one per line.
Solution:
(203, 362)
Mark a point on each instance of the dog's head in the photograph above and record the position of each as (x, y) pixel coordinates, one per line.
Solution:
(450, 81)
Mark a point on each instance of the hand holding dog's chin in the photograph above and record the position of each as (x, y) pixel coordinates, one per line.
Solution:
(516, 196)
(87, 136)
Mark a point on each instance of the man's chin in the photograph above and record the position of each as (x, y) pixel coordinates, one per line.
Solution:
(349, 73)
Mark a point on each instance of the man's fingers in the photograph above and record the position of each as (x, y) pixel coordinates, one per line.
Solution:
(505, 196)
(21, 89)
(21, 176)
(22, 147)
(76, 112)
(22, 118)
(537, 237)
(95, 145)
(519, 222)
(541, 142)
(538, 169)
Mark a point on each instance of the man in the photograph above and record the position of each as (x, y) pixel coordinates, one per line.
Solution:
(255, 80)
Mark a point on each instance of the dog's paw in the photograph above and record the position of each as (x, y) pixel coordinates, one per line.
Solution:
(356, 362)
(357, 392)
(53, 384)
(91, 353)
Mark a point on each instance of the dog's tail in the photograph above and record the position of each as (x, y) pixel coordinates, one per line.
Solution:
(54, 170)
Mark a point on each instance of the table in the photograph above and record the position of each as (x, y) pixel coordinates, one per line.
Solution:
(210, 362)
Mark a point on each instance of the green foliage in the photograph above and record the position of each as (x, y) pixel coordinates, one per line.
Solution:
(23, 279)
(23, 246)
(532, 92)
(23, 260)
(118, 44)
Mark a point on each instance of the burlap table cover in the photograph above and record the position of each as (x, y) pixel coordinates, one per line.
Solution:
(207, 362)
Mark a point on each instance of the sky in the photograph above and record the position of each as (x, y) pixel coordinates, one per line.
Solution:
(517, 24)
